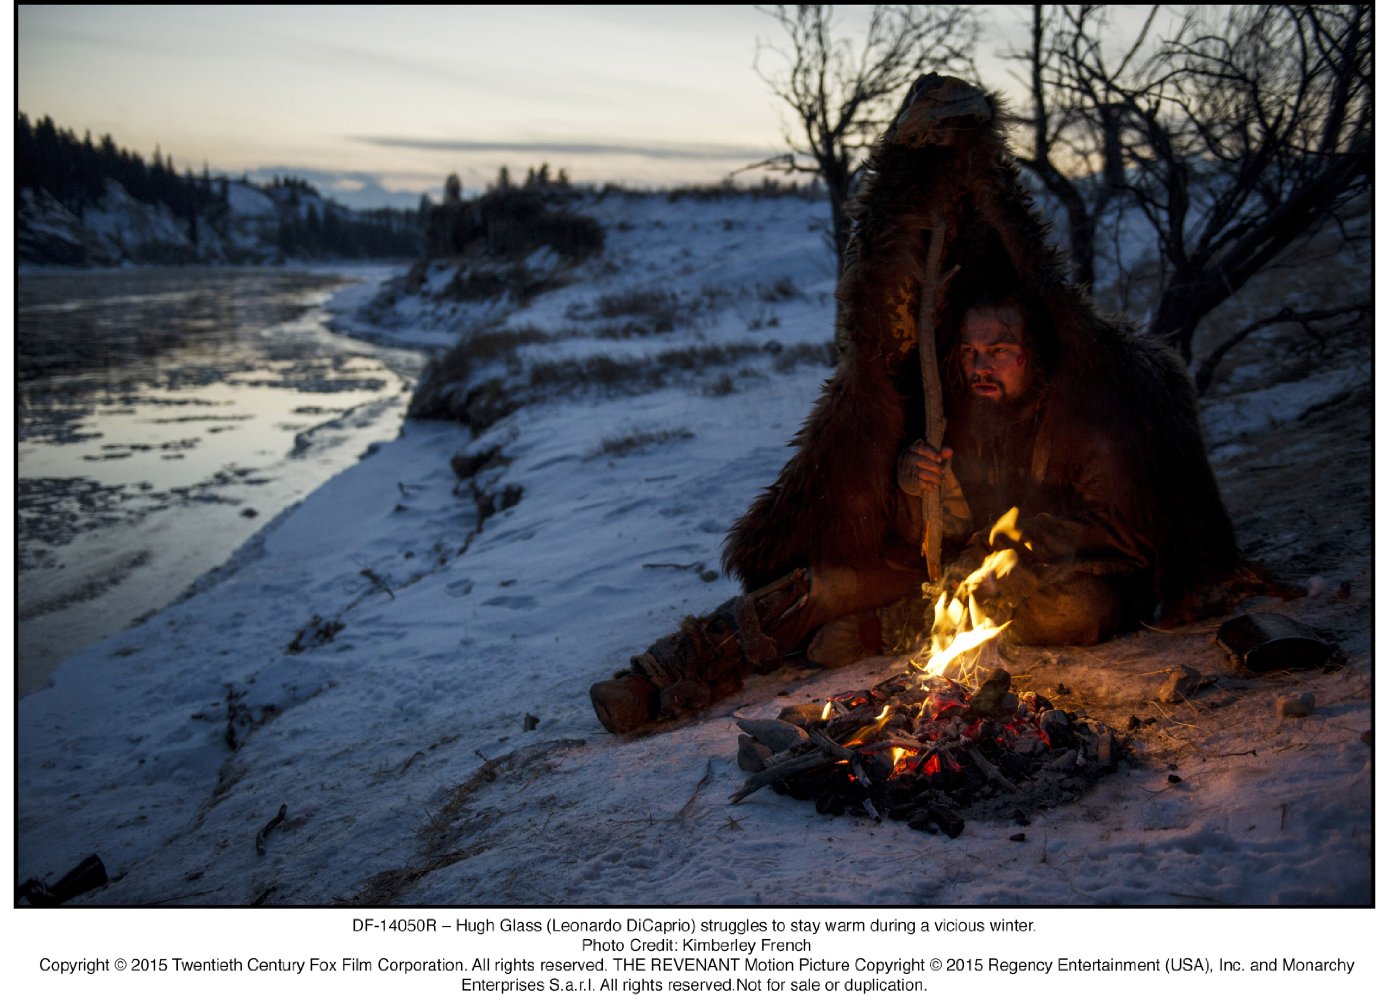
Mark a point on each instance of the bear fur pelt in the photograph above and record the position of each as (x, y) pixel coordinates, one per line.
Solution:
(836, 501)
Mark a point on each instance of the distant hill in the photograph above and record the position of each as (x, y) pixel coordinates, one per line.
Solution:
(86, 203)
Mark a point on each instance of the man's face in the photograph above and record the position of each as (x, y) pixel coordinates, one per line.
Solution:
(995, 364)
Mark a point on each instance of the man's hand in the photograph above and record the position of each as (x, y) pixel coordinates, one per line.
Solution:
(921, 466)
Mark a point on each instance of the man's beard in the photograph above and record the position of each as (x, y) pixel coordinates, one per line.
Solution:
(992, 447)
(992, 422)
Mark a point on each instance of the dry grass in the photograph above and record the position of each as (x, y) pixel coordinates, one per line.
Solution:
(447, 393)
(781, 290)
(641, 312)
(723, 385)
(499, 344)
(625, 444)
(636, 373)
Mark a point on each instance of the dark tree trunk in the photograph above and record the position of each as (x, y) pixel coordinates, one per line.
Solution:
(1185, 301)
(839, 181)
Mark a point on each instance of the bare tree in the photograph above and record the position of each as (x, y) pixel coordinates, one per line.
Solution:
(843, 95)
(1232, 138)
(1074, 130)
(1317, 325)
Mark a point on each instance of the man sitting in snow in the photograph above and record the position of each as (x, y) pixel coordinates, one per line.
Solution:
(1091, 431)
(1088, 551)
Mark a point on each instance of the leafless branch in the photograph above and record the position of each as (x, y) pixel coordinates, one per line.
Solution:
(1304, 318)
(841, 94)
(1235, 133)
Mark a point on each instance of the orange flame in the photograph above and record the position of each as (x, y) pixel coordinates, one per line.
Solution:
(862, 734)
(902, 760)
(961, 627)
(1007, 527)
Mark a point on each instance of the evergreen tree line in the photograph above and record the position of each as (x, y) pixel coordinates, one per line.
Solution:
(75, 173)
(335, 232)
(511, 220)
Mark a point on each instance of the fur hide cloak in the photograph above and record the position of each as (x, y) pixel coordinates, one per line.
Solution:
(836, 501)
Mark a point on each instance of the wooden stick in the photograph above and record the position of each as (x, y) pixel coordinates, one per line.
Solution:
(812, 759)
(823, 752)
(986, 766)
(931, 512)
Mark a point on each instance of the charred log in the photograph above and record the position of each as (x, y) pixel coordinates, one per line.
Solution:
(928, 752)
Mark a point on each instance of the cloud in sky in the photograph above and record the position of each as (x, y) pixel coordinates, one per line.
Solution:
(664, 151)
(406, 94)
(632, 94)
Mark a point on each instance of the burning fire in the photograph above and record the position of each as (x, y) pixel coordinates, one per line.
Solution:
(938, 735)
(961, 627)
(960, 631)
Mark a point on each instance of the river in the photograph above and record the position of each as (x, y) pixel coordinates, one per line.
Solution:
(163, 416)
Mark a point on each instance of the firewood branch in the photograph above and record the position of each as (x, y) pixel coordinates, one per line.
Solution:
(805, 762)
(986, 766)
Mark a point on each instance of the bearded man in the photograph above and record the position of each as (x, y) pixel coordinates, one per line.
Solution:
(1088, 547)
(1088, 534)
(1089, 430)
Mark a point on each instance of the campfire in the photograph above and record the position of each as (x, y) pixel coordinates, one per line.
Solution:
(937, 740)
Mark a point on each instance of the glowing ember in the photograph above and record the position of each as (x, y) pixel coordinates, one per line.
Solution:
(938, 738)
(923, 749)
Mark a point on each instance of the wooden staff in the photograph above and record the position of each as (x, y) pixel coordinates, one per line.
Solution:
(934, 435)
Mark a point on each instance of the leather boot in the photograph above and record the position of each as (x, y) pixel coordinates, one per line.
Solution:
(707, 659)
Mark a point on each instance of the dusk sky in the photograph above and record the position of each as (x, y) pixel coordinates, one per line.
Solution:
(373, 99)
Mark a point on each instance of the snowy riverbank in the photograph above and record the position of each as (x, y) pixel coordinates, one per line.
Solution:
(402, 660)
(164, 414)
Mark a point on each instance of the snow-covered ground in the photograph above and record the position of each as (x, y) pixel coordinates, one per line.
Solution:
(429, 735)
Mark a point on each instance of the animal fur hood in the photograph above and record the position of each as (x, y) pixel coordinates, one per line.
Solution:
(836, 501)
